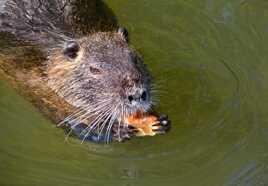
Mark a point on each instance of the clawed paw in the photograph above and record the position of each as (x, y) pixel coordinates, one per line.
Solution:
(135, 125)
(124, 132)
(148, 124)
(162, 126)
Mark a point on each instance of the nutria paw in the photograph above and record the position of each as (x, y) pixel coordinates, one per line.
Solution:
(123, 133)
(163, 126)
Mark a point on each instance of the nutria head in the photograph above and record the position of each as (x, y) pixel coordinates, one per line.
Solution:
(101, 75)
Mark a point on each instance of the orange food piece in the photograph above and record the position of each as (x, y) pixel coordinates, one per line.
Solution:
(144, 123)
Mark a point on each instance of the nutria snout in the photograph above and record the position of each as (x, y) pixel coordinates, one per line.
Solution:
(101, 69)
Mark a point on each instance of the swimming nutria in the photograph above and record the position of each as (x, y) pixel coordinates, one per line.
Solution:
(91, 82)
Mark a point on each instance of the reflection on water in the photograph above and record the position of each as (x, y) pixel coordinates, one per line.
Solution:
(210, 60)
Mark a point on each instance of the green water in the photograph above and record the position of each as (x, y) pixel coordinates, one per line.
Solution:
(210, 59)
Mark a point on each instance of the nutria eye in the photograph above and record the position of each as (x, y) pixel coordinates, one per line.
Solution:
(94, 70)
(71, 49)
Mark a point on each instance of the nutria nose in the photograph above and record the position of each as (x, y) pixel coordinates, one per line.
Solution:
(143, 96)
(138, 96)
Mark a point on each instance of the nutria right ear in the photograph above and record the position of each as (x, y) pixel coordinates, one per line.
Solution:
(123, 32)
(71, 49)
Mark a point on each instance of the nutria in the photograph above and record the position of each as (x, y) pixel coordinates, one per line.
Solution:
(87, 81)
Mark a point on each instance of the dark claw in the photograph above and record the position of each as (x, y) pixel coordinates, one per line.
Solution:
(131, 127)
(165, 124)
(126, 133)
(163, 117)
(132, 131)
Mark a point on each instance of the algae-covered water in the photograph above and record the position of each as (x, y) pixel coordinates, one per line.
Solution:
(210, 59)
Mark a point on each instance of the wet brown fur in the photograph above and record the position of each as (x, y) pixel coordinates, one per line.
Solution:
(26, 74)
(58, 85)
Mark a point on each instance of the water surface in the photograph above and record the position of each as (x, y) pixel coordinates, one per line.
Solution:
(210, 59)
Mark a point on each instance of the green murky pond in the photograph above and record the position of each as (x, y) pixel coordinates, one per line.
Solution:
(210, 59)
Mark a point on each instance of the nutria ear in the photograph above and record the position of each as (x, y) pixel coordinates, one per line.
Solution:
(123, 32)
(71, 49)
